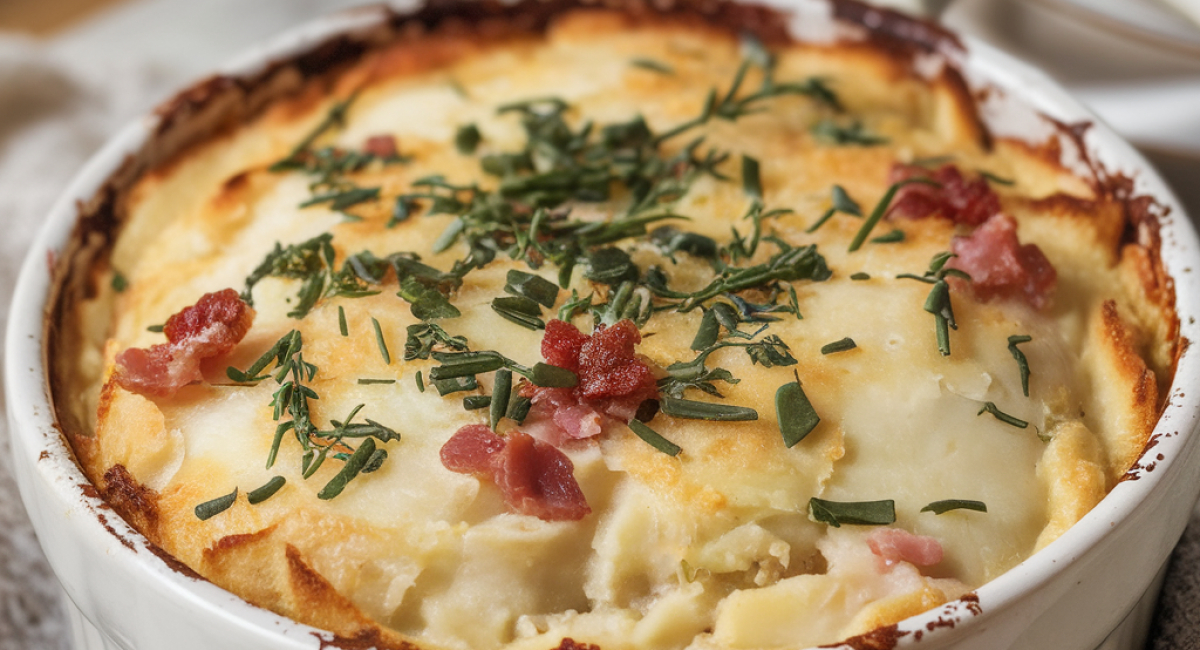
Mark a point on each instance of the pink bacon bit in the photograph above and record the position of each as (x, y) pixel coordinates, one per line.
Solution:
(966, 202)
(894, 545)
(210, 328)
(1000, 267)
(533, 477)
(381, 146)
(613, 382)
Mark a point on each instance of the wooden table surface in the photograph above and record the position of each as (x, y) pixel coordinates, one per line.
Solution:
(44, 18)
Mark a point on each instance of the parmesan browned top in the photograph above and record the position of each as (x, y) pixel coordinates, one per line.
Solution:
(724, 537)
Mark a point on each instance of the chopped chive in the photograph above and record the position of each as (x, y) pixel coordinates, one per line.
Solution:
(843, 203)
(420, 382)
(501, 392)
(119, 283)
(839, 346)
(464, 364)
(881, 209)
(855, 513)
(157, 329)
(1022, 362)
(652, 66)
(383, 349)
(654, 439)
(518, 409)
(990, 407)
(281, 429)
(268, 490)
(401, 211)
(454, 384)
(533, 287)
(709, 330)
(467, 139)
(345, 330)
(797, 418)
(520, 310)
(892, 237)
(946, 505)
(751, 179)
(861, 275)
(996, 179)
(548, 376)
(476, 402)
(210, 509)
(694, 410)
(371, 382)
(357, 462)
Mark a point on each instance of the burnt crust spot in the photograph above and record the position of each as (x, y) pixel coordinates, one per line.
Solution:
(572, 644)
(882, 638)
(136, 503)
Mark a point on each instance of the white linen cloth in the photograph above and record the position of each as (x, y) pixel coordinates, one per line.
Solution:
(61, 99)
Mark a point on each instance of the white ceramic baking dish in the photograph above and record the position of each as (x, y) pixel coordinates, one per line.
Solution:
(1095, 587)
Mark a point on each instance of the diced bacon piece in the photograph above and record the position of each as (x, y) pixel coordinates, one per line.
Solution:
(561, 345)
(578, 422)
(537, 479)
(381, 146)
(613, 381)
(608, 366)
(470, 450)
(967, 202)
(208, 329)
(894, 545)
(1000, 267)
(533, 477)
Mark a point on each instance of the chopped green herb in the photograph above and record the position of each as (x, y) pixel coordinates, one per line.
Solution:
(854, 513)
(996, 179)
(454, 384)
(839, 346)
(990, 407)
(467, 139)
(464, 364)
(343, 199)
(860, 276)
(892, 237)
(342, 327)
(881, 209)
(119, 283)
(693, 410)
(533, 287)
(652, 66)
(829, 130)
(1022, 362)
(476, 402)
(709, 331)
(549, 376)
(424, 337)
(841, 202)
(501, 392)
(751, 178)
(519, 408)
(383, 349)
(520, 310)
(420, 382)
(940, 507)
(363, 381)
(654, 439)
(157, 329)
(797, 418)
(355, 465)
(268, 490)
(210, 509)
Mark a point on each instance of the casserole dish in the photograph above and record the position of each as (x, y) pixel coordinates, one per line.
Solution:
(202, 109)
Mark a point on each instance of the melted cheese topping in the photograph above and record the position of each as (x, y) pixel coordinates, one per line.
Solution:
(713, 548)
